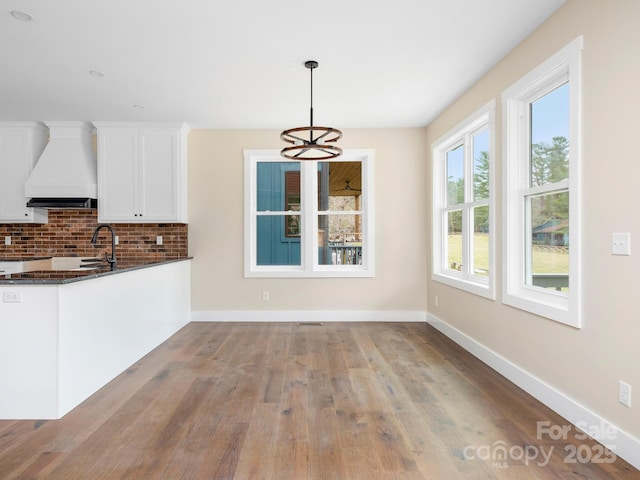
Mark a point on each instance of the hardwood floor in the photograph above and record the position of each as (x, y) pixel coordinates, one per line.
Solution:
(287, 401)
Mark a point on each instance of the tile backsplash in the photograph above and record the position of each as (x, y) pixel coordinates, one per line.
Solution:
(68, 234)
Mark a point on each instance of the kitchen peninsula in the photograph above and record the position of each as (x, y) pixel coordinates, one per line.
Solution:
(66, 333)
(68, 327)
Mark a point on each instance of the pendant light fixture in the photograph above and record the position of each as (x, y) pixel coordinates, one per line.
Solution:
(312, 142)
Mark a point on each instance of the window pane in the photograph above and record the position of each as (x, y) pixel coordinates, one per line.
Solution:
(549, 246)
(342, 203)
(340, 239)
(481, 165)
(454, 240)
(455, 176)
(481, 241)
(550, 137)
(278, 186)
(273, 246)
(292, 224)
(292, 203)
(339, 185)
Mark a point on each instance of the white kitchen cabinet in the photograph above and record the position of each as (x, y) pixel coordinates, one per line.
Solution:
(142, 172)
(21, 144)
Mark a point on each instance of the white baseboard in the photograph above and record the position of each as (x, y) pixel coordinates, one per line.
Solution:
(624, 445)
(308, 316)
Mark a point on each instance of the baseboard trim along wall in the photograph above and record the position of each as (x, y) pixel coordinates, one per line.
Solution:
(625, 446)
(308, 316)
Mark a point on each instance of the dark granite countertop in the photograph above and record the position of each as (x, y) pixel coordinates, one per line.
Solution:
(59, 277)
(27, 259)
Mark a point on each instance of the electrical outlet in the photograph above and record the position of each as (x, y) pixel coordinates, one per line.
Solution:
(265, 296)
(159, 240)
(436, 300)
(117, 241)
(11, 296)
(624, 395)
(7, 240)
(621, 244)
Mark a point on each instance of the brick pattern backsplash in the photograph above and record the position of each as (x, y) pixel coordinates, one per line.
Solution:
(68, 234)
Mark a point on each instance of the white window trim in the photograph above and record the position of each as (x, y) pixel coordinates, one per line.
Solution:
(562, 66)
(309, 246)
(485, 287)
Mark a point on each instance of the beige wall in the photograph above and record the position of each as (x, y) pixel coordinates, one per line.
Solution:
(585, 364)
(216, 232)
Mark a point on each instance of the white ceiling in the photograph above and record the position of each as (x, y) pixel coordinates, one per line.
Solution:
(240, 63)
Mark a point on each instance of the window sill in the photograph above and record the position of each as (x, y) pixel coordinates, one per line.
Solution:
(476, 287)
(346, 272)
(549, 305)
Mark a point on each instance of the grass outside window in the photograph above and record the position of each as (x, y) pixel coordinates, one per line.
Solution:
(550, 260)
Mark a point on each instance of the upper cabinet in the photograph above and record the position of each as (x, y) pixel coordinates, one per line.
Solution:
(142, 172)
(21, 144)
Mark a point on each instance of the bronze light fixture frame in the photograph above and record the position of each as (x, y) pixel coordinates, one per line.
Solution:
(312, 142)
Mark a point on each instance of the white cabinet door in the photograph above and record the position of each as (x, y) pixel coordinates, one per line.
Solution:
(118, 176)
(20, 146)
(141, 172)
(159, 167)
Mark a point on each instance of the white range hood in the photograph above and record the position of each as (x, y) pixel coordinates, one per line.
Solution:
(65, 176)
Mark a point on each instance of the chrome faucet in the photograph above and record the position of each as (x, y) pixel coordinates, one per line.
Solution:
(112, 261)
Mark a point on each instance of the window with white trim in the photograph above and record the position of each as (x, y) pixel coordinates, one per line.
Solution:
(542, 190)
(309, 218)
(463, 205)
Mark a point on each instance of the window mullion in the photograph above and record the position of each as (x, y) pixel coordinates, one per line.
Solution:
(309, 209)
(440, 193)
(251, 220)
(467, 243)
(523, 151)
(528, 259)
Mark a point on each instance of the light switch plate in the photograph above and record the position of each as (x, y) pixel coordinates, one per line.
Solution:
(621, 244)
(624, 395)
